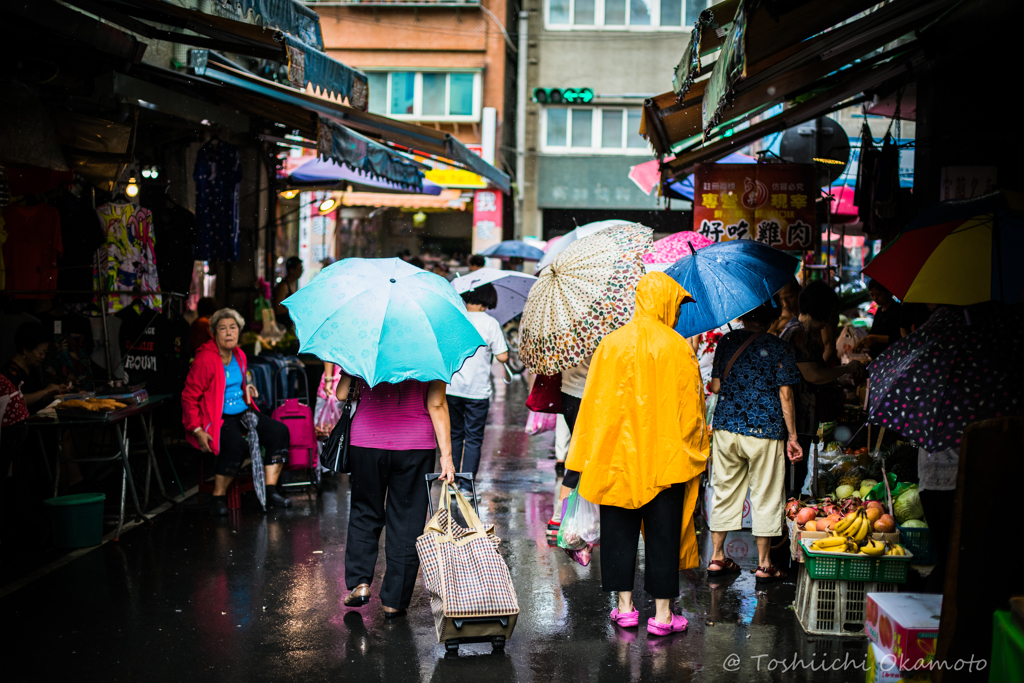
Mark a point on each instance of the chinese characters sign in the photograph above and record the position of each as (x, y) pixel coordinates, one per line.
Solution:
(772, 203)
(487, 215)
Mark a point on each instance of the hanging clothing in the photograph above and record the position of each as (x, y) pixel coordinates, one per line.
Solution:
(128, 259)
(81, 235)
(641, 426)
(145, 342)
(32, 248)
(217, 173)
(176, 253)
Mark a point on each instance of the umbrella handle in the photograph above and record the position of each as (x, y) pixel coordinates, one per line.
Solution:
(508, 371)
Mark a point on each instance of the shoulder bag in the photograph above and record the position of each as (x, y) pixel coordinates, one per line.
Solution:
(739, 352)
(335, 452)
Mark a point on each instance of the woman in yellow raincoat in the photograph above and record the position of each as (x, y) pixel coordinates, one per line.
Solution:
(641, 443)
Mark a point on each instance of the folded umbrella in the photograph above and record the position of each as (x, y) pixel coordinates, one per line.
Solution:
(587, 292)
(728, 279)
(962, 366)
(511, 285)
(510, 249)
(563, 243)
(384, 320)
(961, 252)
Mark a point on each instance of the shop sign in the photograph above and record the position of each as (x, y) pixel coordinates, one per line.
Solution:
(967, 182)
(487, 219)
(772, 203)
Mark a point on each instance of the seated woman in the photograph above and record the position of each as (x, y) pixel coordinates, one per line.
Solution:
(24, 369)
(215, 404)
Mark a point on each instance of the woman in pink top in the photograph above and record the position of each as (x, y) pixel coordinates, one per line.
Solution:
(395, 431)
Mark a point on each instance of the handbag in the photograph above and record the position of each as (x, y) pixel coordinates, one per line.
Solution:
(546, 395)
(335, 451)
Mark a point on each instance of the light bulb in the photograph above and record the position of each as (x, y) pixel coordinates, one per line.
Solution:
(154, 173)
(132, 189)
(146, 173)
(327, 204)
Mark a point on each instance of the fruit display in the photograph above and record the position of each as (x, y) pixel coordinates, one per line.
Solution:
(837, 543)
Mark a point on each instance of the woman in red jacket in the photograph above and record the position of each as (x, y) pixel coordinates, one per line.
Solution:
(214, 403)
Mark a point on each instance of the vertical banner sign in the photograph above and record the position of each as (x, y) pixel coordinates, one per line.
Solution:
(487, 224)
(772, 203)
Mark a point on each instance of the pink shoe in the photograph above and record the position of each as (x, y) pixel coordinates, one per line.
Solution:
(656, 628)
(627, 620)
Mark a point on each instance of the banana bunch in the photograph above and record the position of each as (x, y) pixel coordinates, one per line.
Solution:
(894, 549)
(873, 548)
(855, 525)
(834, 544)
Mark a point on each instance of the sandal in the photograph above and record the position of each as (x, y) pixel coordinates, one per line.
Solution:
(726, 566)
(773, 572)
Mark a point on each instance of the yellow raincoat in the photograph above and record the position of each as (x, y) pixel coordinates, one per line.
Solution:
(641, 424)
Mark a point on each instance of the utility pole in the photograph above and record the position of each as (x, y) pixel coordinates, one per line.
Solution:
(521, 95)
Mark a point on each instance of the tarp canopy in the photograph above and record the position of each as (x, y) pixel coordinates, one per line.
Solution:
(320, 172)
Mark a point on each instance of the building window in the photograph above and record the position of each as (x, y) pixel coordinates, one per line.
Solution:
(593, 130)
(624, 14)
(426, 95)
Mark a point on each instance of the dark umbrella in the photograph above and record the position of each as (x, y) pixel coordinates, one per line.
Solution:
(510, 249)
(962, 366)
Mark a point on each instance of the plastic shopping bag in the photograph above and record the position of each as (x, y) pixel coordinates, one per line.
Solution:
(580, 529)
(538, 423)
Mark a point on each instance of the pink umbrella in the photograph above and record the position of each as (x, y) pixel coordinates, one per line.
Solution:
(674, 247)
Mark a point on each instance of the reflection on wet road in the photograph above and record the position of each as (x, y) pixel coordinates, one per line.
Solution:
(257, 597)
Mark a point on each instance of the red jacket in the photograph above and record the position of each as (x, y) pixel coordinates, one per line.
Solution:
(202, 400)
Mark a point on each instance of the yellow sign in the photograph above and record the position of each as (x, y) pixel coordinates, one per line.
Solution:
(455, 177)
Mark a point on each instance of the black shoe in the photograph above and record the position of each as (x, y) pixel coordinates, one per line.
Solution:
(276, 500)
(219, 507)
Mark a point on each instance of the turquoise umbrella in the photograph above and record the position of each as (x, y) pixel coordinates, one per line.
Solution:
(384, 320)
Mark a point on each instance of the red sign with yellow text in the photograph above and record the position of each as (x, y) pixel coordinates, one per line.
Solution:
(772, 203)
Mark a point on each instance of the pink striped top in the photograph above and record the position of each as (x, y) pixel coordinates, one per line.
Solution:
(393, 417)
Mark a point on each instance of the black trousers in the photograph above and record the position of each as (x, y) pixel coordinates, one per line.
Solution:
(234, 449)
(620, 532)
(388, 491)
(468, 417)
(939, 509)
(570, 410)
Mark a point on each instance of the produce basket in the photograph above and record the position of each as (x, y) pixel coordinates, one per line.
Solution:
(851, 567)
(919, 542)
(834, 608)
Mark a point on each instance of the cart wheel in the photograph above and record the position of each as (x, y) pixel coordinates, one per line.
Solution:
(317, 479)
(498, 643)
(451, 647)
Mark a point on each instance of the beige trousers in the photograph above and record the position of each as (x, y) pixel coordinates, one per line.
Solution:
(741, 462)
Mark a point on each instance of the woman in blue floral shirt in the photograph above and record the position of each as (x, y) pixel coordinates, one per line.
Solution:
(754, 429)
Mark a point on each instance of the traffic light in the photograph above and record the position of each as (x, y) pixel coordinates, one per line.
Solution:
(563, 95)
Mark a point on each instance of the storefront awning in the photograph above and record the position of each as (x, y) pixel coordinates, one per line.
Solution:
(359, 153)
(284, 31)
(404, 136)
(448, 199)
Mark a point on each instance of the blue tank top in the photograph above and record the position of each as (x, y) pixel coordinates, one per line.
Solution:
(234, 398)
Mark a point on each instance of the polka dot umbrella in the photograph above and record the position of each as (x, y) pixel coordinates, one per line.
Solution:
(586, 292)
(962, 366)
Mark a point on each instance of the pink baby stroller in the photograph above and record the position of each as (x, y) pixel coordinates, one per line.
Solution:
(296, 414)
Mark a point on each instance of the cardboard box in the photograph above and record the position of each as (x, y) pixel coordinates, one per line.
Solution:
(904, 625)
(882, 669)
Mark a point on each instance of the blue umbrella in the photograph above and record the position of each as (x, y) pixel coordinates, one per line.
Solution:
(384, 320)
(727, 280)
(513, 249)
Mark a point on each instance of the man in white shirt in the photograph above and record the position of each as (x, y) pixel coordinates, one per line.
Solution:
(469, 394)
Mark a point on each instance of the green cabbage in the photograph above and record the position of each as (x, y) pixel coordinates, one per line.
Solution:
(915, 524)
(908, 505)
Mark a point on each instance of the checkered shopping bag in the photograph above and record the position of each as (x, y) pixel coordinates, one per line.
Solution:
(462, 570)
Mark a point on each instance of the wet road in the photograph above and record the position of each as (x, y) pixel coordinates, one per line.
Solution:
(256, 597)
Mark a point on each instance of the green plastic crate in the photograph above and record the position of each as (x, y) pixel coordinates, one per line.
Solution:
(847, 567)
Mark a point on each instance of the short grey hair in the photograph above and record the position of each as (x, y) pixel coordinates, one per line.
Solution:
(225, 313)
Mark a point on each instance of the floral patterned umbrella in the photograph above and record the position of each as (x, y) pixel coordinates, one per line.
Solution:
(962, 366)
(674, 247)
(586, 292)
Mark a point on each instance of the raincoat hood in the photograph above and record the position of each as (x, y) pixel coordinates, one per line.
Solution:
(641, 426)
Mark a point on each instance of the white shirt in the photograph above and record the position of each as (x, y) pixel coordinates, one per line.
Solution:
(575, 378)
(474, 379)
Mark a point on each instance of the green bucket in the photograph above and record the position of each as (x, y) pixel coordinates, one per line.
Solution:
(77, 520)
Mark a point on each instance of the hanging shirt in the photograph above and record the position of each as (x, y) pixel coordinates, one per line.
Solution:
(128, 258)
(32, 248)
(175, 255)
(217, 172)
(144, 344)
(234, 390)
(81, 236)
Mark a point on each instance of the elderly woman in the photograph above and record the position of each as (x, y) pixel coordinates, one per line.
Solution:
(640, 444)
(215, 404)
(25, 369)
(395, 433)
(754, 431)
